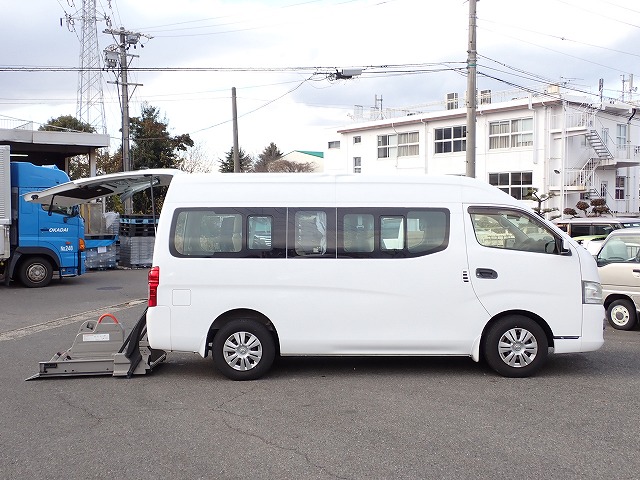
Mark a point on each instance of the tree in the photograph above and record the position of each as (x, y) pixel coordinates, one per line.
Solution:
(283, 165)
(154, 147)
(66, 123)
(583, 207)
(79, 164)
(270, 154)
(195, 160)
(540, 199)
(227, 166)
(599, 206)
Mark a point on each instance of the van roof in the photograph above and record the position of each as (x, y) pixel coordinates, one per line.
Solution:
(318, 188)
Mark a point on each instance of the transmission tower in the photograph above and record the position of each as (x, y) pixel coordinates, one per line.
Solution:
(90, 99)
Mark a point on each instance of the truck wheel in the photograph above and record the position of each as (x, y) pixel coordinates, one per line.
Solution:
(516, 346)
(35, 272)
(621, 314)
(243, 349)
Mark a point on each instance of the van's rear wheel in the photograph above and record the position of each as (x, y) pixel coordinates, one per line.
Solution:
(516, 346)
(35, 272)
(621, 315)
(243, 349)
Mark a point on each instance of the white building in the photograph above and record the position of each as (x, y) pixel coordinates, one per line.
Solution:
(551, 141)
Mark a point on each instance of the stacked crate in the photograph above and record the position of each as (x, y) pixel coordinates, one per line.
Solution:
(137, 234)
(100, 253)
(101, 236)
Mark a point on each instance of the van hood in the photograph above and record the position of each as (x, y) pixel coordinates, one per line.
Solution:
(84, 190)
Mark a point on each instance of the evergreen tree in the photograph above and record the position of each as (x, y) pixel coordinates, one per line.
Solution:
(227, 166)
(270, 154)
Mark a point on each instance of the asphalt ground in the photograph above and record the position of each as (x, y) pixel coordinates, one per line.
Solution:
(324, 418)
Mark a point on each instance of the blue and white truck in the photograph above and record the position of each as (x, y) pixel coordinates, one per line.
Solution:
(36, 240)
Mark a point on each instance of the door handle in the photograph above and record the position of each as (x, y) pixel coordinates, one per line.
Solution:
(486, 273)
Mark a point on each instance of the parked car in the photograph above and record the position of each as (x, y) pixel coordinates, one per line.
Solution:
(593, 243)
(619, 268)
(587, 226)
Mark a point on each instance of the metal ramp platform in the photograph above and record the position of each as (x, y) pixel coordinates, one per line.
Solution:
(100, 348)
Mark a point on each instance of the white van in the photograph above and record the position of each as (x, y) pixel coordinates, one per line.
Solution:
(250, 266)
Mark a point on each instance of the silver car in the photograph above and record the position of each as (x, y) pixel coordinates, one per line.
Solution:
(619, 269)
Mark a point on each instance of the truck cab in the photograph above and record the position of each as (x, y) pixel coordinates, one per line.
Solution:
(43, 239)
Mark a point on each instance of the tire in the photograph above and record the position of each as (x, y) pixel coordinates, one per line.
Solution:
(516, 346)
(35, 272)
(243, 349)
(621, 314)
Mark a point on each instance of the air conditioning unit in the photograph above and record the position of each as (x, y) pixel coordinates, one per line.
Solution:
(452, 101)
(553, 89)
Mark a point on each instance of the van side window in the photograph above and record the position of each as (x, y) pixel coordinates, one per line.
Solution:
(603, 229)
(426, 230)
(310, 232)
(358, 233)
(392, 233)
(259, 237)
(580, 230)
(204, 232)
(511, 230)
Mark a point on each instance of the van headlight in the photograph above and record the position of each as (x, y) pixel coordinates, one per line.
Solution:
(591, 292)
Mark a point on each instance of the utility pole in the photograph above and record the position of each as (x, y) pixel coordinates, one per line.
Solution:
(116, 56)
(234, 111)
(471, 93)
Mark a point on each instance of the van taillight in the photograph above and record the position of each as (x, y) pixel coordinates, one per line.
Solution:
(154, 280)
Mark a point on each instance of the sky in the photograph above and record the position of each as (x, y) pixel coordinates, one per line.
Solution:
(282, 56)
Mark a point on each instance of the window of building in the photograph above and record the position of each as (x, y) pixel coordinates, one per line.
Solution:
(334, 144)
(511, 133)
(450, 139)
(408, 144)
(604, 189)
(401, 145)
(620, 188)
(621, 135)
(516, 184)
(387, 146)
(357, 139)
(357, 164)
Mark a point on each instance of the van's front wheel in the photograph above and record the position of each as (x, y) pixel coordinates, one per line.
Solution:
(516, 346)
(621, 314)
(243, 349)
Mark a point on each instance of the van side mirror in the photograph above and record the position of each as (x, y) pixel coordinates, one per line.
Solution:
(564, 247)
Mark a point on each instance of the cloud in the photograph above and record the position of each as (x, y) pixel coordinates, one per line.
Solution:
(570, 41)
